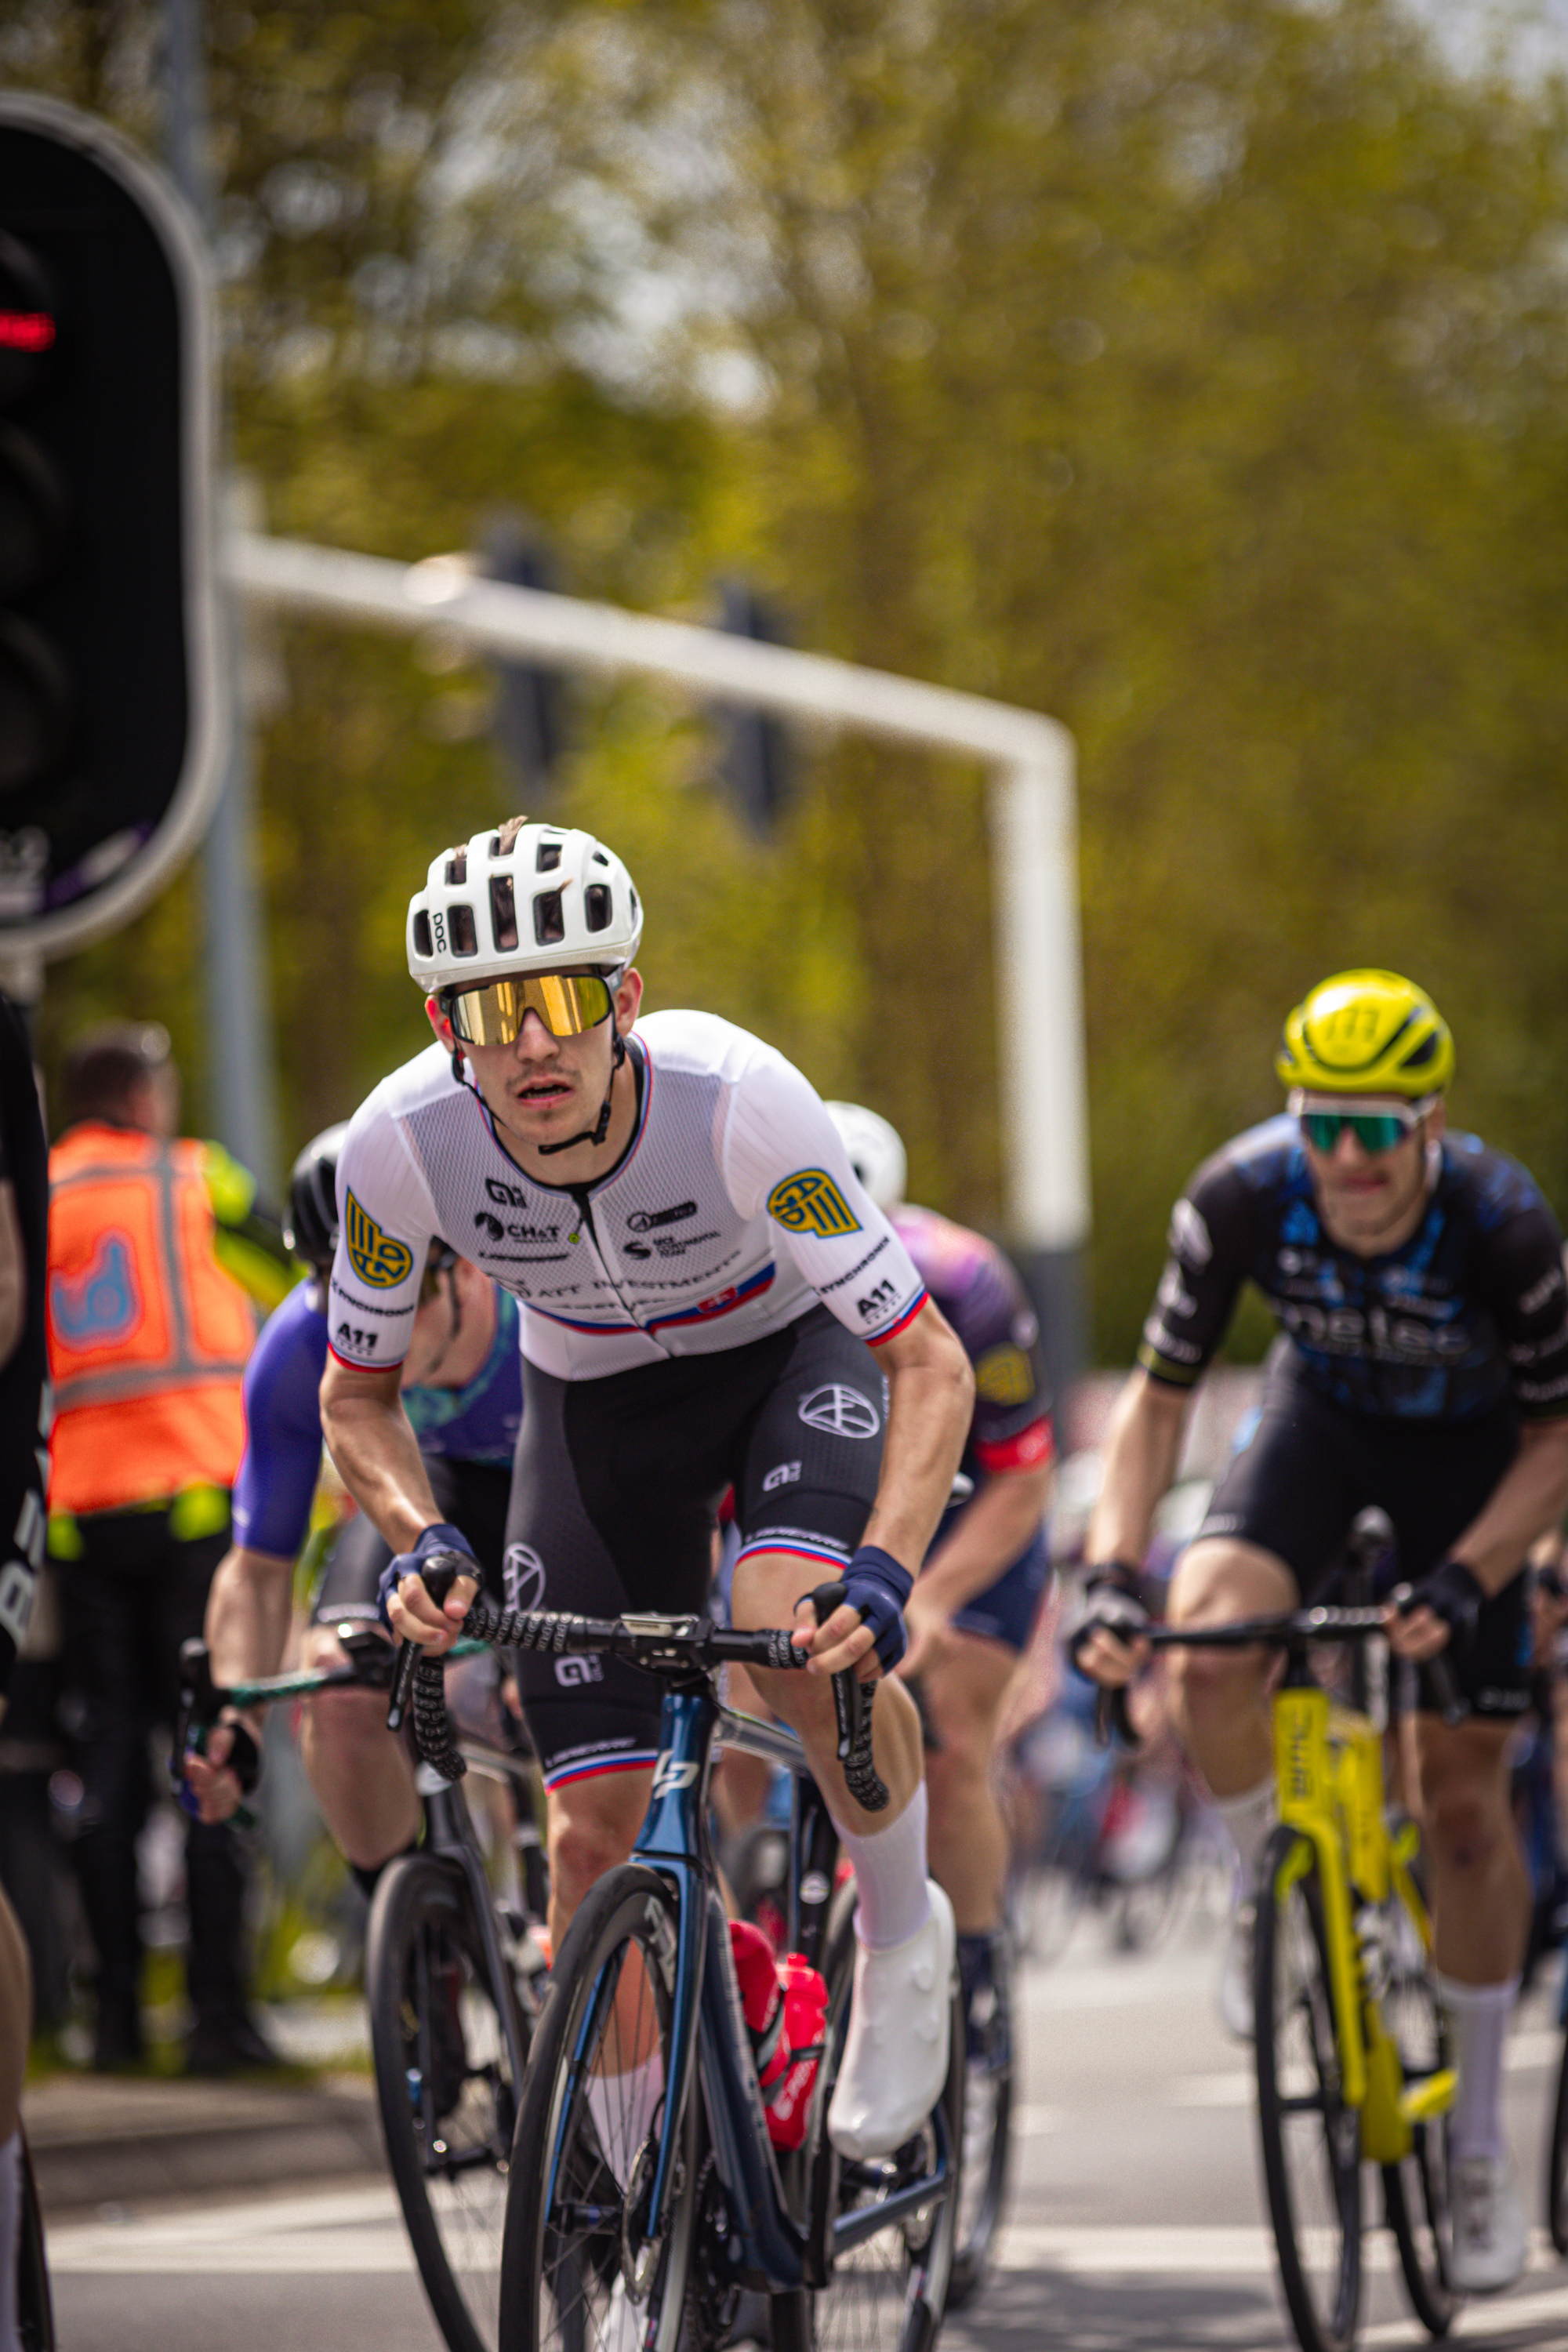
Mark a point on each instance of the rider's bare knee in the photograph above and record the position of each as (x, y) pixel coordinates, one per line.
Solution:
(593, 1827)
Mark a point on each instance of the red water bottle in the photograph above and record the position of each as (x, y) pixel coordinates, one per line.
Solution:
(786, 2004)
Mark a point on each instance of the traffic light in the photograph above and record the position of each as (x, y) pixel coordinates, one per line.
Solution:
(111, 730)
(756, 762)
(530, 715)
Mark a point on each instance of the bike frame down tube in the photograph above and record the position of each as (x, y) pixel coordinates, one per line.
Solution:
(1306, 1782)
(673, 1841)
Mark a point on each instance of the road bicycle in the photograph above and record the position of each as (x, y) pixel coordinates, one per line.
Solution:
(646, 2196)
(453, 1973)
(1351, 2047)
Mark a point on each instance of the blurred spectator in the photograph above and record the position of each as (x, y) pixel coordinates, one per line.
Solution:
(148, 1333)
(24, 1217)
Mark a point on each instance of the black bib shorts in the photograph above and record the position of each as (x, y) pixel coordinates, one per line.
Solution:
(614, 1496)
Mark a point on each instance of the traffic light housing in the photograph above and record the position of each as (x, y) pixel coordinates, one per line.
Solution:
(112, 728)
(755, 762)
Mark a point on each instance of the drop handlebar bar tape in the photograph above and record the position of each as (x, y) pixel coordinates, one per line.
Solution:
(852, 1703)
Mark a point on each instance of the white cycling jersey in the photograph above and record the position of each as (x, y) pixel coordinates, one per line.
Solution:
(733, 1210)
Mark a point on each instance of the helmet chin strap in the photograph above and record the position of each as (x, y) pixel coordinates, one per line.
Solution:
(596, 1133)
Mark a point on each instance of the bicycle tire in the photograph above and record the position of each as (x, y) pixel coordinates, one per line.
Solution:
(1310, 2140)
(987, 2145)
(35, 2304)
(1557, 2160)
(889, 2295)
(449, 2105)
(1415, 2192)
(569, 2237)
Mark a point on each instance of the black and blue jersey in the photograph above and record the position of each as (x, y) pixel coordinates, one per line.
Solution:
(272, 1495)
(1471, 1310)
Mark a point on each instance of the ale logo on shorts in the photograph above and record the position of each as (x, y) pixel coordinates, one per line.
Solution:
(841, 1412)
(809, 1201)
(375, 1257)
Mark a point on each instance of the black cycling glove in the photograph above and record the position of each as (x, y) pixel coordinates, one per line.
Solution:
(1455, 1593)
(1112, 1604)
(432, 1540)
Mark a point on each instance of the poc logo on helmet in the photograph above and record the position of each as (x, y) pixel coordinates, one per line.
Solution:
(843, 1412)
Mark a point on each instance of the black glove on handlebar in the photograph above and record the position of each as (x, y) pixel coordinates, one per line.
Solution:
(433, 1539)
(1112, 1604)
(1455, 1593)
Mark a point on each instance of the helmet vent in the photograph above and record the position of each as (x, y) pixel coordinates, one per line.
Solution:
(1419, 1056)
(598, 906)
(422, 945)
(600, 858)
(465, 938)
(547, 857)
(503, 910)
(457, 866)
(549, 923)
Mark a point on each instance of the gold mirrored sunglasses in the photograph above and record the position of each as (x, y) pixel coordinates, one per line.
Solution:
(567, 1004)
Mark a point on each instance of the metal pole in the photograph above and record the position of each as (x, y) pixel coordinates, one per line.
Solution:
(1039, 990)
(1033, 844)
(238, 1010)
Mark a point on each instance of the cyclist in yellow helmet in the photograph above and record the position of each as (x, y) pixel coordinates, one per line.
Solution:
(1422, 1366)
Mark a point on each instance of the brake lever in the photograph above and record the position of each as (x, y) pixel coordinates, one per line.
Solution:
(1113, 1717)
(1439, 1669)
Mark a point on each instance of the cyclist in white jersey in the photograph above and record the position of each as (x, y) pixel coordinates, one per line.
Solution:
(700, 1274)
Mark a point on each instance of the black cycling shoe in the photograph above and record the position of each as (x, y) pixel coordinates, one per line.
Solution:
(231, 2044)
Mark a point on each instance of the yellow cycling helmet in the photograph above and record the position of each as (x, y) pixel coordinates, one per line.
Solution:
(1366, 1033)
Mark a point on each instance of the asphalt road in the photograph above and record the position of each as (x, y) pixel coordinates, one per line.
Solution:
(1136, 2220)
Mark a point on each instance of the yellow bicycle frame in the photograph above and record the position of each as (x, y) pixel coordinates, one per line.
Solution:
(1329, 1766)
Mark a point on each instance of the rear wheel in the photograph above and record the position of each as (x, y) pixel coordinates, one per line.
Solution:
(582, 2270)
(989, 2067)
(1311, 2140)
(35, 2307)
(1557, 2161)
(1415, 2192)
(443, 2077)
(888, 2292)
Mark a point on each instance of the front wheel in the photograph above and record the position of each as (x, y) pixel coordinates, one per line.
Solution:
(443, 2078)
(583, 2271)
(1311, 2140)
(989, 2073)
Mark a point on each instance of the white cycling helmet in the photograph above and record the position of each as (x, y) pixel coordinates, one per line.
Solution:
(876, 1154)
(518, 899)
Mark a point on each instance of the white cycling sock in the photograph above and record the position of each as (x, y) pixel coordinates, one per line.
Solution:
(1477, 2020)
(1249, 1818)
(622, 2107)
(890, 1876)
(10, 2224)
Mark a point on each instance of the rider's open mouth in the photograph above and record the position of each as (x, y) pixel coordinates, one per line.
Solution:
(543, 1090)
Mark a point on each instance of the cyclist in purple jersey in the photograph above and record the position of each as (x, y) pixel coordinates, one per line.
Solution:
(979, 1592)
(463, 1394)
(1423, 1368)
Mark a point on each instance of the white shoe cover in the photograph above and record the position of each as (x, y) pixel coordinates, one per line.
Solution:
(1491, 2238)
(895, 2061)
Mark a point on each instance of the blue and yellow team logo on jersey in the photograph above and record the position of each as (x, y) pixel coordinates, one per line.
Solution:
(375, 1257)
(810, 1203)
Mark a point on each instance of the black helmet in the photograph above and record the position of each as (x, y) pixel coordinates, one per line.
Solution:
(310, 1219)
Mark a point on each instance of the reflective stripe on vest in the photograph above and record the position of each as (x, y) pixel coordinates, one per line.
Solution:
(96, 1309)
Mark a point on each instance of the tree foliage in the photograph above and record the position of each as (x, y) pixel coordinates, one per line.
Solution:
(1192, 369)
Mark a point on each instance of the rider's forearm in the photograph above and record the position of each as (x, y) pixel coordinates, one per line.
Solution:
(1143, 1448)
(1530, 1498)
(1000, 1523)
(372, 1445)
(248, 1610)
(930, 1401)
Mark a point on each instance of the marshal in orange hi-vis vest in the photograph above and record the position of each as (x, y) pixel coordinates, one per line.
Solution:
(148, 1335)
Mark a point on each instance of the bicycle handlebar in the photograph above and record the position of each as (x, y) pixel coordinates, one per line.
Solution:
(671, 1646)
